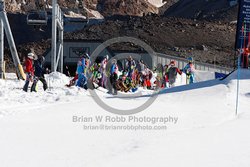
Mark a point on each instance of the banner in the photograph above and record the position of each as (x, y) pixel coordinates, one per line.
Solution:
(243, 24)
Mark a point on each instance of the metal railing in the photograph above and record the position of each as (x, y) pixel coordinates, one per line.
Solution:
(181, 62)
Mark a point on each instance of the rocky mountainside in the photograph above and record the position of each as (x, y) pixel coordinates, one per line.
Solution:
(126, 7)
(203, 9)
(106, 7)
(192, 9)
(205, 33)
(208, 42)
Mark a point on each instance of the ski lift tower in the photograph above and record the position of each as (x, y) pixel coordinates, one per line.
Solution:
(57, 43)
(5, 27)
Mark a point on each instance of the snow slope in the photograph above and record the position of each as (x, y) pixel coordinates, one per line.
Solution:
(37, 128)
(157, 3)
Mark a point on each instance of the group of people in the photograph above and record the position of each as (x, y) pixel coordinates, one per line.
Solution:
(34, 69)
(111, 76)
(129, 77)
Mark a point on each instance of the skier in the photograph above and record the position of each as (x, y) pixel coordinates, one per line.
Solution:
(160, 76)
(245, 57)
(142, 66)
(113, 78)
(165, 76)
(189, 71)
(124, 82)
(84, 58)
(96, 75)
(130, 66)
(148, 83)
(172, 73)
(29, 70)
(103, 71)
(147, 78)
(81, 69)
(39, 74)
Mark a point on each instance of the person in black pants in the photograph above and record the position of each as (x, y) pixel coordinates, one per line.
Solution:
(39, 74)
(113, 78)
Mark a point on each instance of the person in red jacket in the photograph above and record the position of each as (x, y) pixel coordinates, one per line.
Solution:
(29, 70)
(245, 57)
(172, 73)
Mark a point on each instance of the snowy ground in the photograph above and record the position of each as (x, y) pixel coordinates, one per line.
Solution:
(37, 129)
(157, 3)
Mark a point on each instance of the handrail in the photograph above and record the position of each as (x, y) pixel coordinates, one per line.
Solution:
(181, 62)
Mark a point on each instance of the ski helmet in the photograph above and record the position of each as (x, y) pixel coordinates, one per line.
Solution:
(99, 75)
(41, 59)
(35, 57)
(190, 59)
(31, 55)
(107, 57)
(172, 63)
(86, 55)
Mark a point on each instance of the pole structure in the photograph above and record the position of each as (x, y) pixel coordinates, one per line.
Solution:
(239, 66)
(10, 40)
(61, 52)
(54, 32)
(1, 50)
(57, 44)
(238, 86)
(61, 41)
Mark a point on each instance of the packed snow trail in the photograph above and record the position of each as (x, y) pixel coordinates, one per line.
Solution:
(207, 133)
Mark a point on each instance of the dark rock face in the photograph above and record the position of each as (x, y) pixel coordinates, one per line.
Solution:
(203, 9)
(205, 38)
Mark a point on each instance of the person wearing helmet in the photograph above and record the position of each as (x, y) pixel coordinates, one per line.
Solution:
(82, 80)
(189, 71)
(95, 77)
(86, 56)
(141, 66)
(29, 70)
(103, 71)
(159, 78)
(172, 73)
(82, 66)
(122, 82)
(130, 66)
(39, 74)
(113, 78)
(190, 59)
(165, 76)
(245, 57)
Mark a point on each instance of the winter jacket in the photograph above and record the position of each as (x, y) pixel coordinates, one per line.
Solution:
(131, 65)
(104, 64)
(81, 66)
(141, 67)
(38, 64)
(29, 66)
(189, 69)
(172, 74)
(114, 69)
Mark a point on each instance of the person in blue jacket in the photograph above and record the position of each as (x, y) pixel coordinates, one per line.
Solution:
(39, 73)
(189, 70)
(82, 79)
